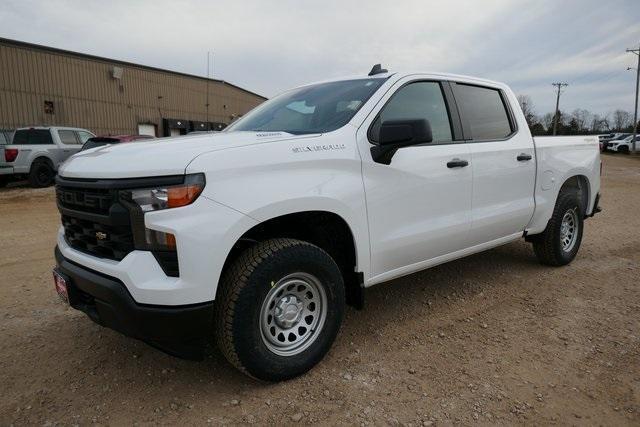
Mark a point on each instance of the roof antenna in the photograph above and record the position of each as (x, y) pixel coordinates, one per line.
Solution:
(377, 69)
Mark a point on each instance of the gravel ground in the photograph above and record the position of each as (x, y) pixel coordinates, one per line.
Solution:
(494, 338)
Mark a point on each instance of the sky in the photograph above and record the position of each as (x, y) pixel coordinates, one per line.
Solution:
(270, 46)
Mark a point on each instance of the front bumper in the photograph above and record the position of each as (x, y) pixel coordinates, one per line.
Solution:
(178, 330)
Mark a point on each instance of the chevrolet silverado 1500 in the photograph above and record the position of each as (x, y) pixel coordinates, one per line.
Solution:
(257, 237)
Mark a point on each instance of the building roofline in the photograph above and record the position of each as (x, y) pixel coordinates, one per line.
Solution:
(27, 45)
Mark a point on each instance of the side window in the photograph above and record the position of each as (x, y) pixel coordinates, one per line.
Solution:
(484, 111)
(67, 137)
(419, 100)
(83, 136)
(32, 137)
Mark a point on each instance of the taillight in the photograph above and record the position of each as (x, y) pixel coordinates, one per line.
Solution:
(10, 154)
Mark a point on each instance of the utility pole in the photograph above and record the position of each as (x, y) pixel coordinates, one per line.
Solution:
(635, 112)
(555, 117)
(207, 104)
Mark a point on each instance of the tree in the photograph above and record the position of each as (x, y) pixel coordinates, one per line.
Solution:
(527, 109)
(598, 124)
(547, 122)
(581, 118)
(621, 119)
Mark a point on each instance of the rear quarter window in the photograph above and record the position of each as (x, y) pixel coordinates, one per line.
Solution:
(32, 137)
(484, 111)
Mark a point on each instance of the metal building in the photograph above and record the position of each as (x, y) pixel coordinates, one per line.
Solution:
(41, 85)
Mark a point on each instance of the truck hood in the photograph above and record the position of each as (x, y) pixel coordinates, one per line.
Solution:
(164, 156)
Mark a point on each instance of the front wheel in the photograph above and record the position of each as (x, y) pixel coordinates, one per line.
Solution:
(559, 243)
(279, 309)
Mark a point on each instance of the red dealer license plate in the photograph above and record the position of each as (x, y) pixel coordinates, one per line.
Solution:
(61, 286)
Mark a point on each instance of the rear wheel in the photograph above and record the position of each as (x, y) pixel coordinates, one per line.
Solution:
(560, 241)
(41, 174)
(4, 180)
(279, 309)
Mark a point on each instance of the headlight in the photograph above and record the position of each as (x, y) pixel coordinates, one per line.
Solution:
(169, 196)
(154, 198)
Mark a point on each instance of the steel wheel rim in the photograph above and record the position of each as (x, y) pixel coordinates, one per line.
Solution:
(569, 230)
(293, 313)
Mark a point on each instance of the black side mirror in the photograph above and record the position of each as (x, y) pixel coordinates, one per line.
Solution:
(405, 132)
(395, 134)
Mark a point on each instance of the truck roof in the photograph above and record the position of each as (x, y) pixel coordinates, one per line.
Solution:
(400, 74)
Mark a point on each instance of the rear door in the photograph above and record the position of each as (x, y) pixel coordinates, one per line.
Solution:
(70, 144)
(419, 204)
(503, 163)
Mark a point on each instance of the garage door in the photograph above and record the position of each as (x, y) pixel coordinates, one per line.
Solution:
(145, 129)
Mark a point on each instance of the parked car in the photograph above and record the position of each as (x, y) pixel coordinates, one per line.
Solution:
(603, 139)
(625, 145)
(259, 235)
(616, 137)
(36, 152)
(99, 141)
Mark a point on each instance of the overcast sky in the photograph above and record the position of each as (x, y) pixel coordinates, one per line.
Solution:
(269, 46)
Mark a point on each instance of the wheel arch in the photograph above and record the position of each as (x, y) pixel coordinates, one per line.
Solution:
(580, 183)
(42, 157)
(324, 228)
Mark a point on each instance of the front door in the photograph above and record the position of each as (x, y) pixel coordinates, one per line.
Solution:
(419, 205)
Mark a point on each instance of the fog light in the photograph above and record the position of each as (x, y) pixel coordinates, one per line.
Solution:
(160, 241)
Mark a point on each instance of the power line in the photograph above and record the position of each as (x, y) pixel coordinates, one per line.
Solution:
(559, 85)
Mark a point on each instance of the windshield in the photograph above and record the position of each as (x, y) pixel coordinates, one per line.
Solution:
(311, 109)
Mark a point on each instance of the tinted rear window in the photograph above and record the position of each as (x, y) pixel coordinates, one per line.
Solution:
(5, 137)
(32, 137)
(484, 110)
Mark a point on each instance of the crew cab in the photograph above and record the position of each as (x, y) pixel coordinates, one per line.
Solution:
(258, 236)
(36, 152)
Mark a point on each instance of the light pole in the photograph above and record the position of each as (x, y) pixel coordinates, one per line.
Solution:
(635, 111)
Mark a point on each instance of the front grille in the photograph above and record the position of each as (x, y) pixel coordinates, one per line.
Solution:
(102, 240)
(93, 200)
(95, 222)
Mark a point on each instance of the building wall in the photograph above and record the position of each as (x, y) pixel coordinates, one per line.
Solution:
(84, 93)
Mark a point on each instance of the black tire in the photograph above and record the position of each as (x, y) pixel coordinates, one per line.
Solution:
(623, 149)
(548, 246)
(41, 174)
(4, 180)
(245, 287)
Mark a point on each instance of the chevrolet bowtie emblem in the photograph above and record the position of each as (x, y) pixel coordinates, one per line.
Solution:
(100, 235)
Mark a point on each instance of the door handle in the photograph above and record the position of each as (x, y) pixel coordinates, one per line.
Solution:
(523, 157)
(457, 163)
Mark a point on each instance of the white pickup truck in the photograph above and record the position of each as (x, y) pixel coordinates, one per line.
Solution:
(259, 235)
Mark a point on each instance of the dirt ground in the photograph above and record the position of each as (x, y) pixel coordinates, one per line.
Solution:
(494, 338)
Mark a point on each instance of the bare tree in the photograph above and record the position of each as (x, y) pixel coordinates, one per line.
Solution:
(527, 109)
(547, 121)
(581, 117)
(621, 119)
